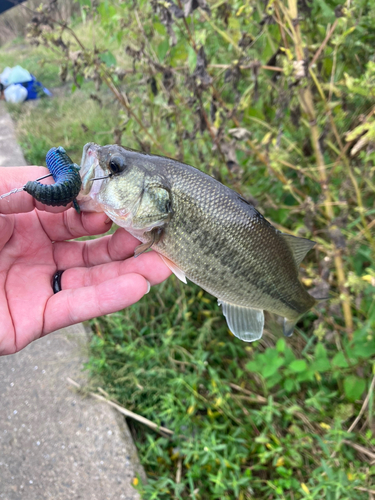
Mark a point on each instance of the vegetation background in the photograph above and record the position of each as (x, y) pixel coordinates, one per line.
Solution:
(276, 100)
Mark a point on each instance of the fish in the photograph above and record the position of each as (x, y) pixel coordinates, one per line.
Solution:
(203, 231)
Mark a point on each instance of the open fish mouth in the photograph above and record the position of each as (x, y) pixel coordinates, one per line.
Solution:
(90, 167)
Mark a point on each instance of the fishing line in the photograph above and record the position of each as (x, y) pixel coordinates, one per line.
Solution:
(18, 190)
(100, 178)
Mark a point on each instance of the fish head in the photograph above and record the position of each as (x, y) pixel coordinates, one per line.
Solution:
(115, 179)
(110, 180)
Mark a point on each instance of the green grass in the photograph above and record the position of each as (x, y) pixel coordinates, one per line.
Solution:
(249, 421)
(68, 119)
(36, 60)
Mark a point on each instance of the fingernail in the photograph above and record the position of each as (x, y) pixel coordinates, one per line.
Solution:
(107, 221)
(148, 286)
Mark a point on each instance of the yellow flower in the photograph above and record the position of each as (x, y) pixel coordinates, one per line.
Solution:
(324, 426)
(305, 488)
(370, 279)
(190, 410)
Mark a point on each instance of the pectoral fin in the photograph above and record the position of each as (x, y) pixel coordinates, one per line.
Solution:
(155, 236)
(244, 322)
(175, 270)
(142, 248)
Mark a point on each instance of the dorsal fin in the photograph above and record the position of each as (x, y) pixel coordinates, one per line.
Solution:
(298, 246)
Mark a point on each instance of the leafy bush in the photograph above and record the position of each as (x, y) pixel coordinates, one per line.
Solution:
(276, 101)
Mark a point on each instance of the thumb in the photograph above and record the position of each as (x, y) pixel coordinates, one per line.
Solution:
(17, 177)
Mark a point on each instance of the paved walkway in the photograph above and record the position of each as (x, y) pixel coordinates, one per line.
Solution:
(10, 151)
(55, 444)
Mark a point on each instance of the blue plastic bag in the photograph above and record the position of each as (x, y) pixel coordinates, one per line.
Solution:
(35, 89)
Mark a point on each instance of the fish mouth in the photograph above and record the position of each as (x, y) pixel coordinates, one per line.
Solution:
(90, 167)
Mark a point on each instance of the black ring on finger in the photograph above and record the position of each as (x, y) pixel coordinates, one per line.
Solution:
(56, 282)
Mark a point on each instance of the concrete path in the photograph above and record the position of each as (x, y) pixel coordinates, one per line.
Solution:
(55, 444)
(10, 151)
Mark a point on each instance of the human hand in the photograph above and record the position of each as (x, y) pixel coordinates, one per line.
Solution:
(100, 276)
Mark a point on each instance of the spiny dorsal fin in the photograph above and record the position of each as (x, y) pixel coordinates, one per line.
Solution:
(298, 246)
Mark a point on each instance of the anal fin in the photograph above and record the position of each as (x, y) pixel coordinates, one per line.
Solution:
(245, 323)
(288, 327)
(175, 269)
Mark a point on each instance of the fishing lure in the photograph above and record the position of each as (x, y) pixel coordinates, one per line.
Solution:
(67, 181)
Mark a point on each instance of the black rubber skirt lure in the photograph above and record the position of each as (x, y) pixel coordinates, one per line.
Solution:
(67, 181)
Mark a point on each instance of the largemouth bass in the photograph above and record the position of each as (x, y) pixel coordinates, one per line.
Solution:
(203, 230)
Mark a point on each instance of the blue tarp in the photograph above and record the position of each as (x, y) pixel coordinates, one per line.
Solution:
(35, 89)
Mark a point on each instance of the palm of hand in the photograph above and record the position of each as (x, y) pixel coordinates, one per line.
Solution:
(101, 276)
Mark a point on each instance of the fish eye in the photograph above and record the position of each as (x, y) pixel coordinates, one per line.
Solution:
(117, 164)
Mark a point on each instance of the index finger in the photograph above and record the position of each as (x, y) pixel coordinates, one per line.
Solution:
(17, 177)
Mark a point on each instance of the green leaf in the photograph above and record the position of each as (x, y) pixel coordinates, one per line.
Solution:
(269, 370)
(320, 351)
(192, 59)
(178, 54)
(289, 355)
(160, 28)
(253, 366)
(106, 11)
(289, 385)
(280, 345)
(354, 387)
(79, 80)
(321, 365)
(321, 362)
(272, 368)
(108, 58)
(162, 49)
(326, 11)
(343, 412)
(305, 375)
(339, 360)
(364, 349)
(298, 365)
(272, 381)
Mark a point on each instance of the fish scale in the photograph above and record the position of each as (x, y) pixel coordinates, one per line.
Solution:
(237, 233)
(209, 234)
